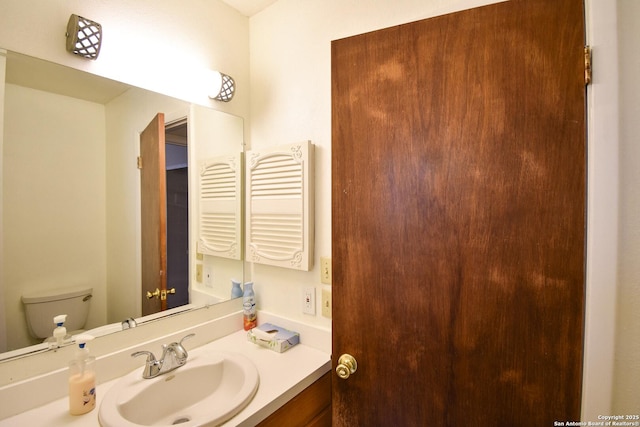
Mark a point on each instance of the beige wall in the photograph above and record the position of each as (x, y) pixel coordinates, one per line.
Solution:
(50, 240)
(3, 329)
(627, 359)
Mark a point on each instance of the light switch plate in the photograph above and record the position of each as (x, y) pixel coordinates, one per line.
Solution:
(199, 273)
(326, 303)
(325, 270)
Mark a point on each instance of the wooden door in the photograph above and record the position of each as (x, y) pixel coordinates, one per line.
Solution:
(154, 214)
(458, 218)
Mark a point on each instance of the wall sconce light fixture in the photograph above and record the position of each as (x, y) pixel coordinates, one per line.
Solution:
(223, 87)
(84, 37)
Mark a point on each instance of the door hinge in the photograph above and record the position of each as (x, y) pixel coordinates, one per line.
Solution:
(587, 65)
(139, 162)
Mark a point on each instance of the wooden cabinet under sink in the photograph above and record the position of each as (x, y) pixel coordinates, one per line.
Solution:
(310, 408)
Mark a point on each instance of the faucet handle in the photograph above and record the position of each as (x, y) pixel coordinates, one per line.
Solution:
(179, 351)
(151, 366)
(186, 337)
(150, 357)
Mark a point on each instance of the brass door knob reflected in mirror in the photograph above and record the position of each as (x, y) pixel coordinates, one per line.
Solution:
(347, 365)
(155, 293)
(163, 294)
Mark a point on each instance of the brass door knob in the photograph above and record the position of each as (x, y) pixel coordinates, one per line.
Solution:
(347, 365)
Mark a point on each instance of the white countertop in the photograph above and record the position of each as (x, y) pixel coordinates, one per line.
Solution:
(282, 376)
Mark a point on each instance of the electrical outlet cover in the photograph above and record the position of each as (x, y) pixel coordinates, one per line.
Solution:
(208, 277)
(309, 300)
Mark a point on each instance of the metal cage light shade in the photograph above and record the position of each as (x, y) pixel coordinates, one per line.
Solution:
(223, 87)
(84, 37)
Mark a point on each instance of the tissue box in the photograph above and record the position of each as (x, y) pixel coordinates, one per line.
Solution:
(273, 337)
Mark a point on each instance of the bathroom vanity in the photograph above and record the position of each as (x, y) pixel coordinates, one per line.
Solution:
(299, 375)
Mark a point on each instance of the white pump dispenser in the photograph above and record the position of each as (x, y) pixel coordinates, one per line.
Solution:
(82, 378)
(60, 331)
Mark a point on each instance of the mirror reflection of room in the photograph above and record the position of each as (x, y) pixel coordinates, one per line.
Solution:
(71, 201)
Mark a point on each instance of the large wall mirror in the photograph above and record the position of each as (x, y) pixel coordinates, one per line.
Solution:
(71, 196)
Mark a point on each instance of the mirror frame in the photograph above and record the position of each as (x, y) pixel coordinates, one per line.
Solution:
(29, 366)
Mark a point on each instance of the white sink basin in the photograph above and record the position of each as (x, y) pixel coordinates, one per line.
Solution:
(209, 390)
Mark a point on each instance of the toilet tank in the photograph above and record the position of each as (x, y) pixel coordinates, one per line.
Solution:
(41, 307)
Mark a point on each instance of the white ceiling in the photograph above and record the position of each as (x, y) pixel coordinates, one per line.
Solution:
(249, 7)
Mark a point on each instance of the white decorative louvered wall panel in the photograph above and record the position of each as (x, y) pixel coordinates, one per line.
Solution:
(280, 206)
(220, 204)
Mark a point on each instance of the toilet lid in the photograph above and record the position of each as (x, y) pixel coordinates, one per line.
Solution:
(55, 294)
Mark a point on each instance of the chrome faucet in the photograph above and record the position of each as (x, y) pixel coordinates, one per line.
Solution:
(174, 355)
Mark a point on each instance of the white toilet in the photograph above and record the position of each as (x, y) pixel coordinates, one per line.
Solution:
(42, 307)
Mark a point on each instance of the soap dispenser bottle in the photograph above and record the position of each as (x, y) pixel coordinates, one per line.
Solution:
(60, 331)
(82, 379)
(249, 315)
